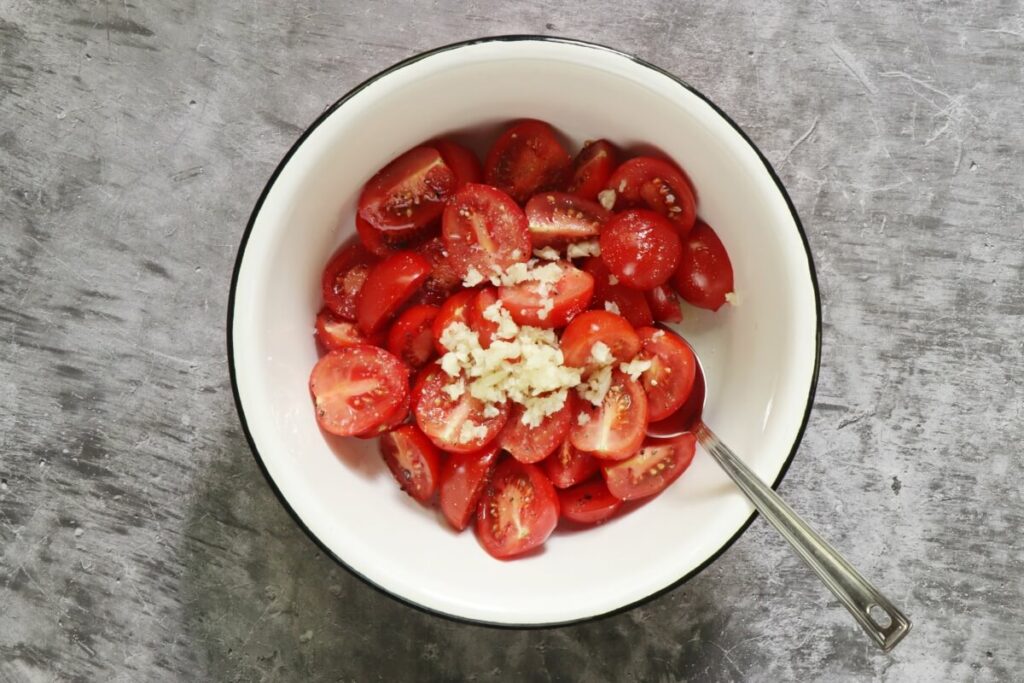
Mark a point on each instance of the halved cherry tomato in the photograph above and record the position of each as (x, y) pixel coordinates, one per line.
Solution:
(461, 160)
(458, 425)
(409, 192)
(704, 276)
(592, 168)
(549, 305)
(641, 248)
(658, 463)
(615, 429)
(588, 503)
(518, 511)
(335, 333)
(395, 418)
(383, 243)
(463, 478)
(558, 218)
(443, 281)
(591, 327)
(658, 185)
(455, 309)
(357, 388)
(670, 378)
(569, 466)
(389, 285)
(483, 327)
(664, 304)
(526, 159)
(344, 276)
(411, 338)
(630, 303)
(483, 228)
(533, 444)
(413, 460)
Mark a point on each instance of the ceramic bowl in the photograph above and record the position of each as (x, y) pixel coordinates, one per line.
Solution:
(760, 356)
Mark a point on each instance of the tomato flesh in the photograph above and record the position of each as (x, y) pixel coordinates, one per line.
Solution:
(413, 460)
(526, 159)
(357, 388)
(484, 229)
(533, 444)
(443, 281)
(657, 184)
(664, 304)
(411, 337)
(455, 309)
(389, 285)
(608, 291)
(344, 276)
(588, 503)
(394, 419)
(641, 248)
(463, 478)
(460, 160)
(704, 277)
(669, 380)
(569, 466)
(549, 305)
(558, 218)
(456, 425)
(518, 511)
(656, 465)
(408, 193)
(615, 429)
(588, 328)
(592, 168)
(335, 333)
(484, 328)
(381, 243)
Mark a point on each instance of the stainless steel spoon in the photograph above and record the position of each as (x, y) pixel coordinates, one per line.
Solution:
(886, 624)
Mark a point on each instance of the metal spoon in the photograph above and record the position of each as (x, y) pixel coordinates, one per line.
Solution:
(886, 624)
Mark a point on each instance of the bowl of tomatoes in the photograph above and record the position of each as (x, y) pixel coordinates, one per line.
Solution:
(469, 301)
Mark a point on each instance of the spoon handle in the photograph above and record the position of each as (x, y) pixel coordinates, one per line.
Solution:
(886, 624)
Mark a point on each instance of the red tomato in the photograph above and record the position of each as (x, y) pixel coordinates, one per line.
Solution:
(608, 290)
(569, 466)
(415, 462)
(457, 425)
(454, 310)
(592, 168)
(562, 301)
(664, 305)
(357, 388)
(483, 228)
(389, 285)
(533, 444)
(557, 218)
(658, 185)
(463, 478)
(483, 327)
(408, 193)
(395, 418)
(591, 327)
(344, 276)
(526, 159)
(443, 281)
(704, 277)
(670, 378)
(383, 243)
(654, 467)
(518, 511)
(588, 503)
(334, 333)
(462, 161)
(411, 338)
(641, 248)
(615, 429)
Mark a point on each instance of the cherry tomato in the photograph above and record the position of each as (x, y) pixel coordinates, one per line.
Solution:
(557, 218)
(591, 327)
(641, 248)
(615, 429)
(670, 378)
(630, 303)
(389, 285)
(344, 276)
(652, 469)
(592, 168)
(395, 418)
(483, 228)
(518, 511)
(463, 478)
(357, 388)
(454, 310)
(458, 425)
(460, 160)
(415, 462)
(569, 466)
(411, 338)
(408, 193)
(533, 444)
(704, 277)
(334, 333)
(381, 243)
(483, 327)
(443, 281)
(526, 159)
(658, 185)
(588, 503)
(549, 305)
(664, 304)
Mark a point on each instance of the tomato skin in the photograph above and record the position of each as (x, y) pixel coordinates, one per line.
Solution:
(558, 218)
(389, 285)
(533, 444)
(455, 309)
(588, 328)
(641, 248)
(484, 328)
(484, 229)
(332, 332)
(588, 503)
(592, 168)
(380, 243)
(526, 159)
(409, 192)
(518, 511)
(413, 460)
(658, 185)
(569, 466)
(631, 303)
(411, 337)
(357, 389)
(463, 478)
(632, 479)
(442, 418)
(343, 277)
(569, 296)
(460, 160)
(664, 304)
(704, 277)
(615, 429)
(670, 378)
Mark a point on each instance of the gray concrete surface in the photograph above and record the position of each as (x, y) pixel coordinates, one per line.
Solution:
(138, 540)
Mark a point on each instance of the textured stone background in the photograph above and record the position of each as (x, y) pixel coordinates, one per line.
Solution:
(138, 540)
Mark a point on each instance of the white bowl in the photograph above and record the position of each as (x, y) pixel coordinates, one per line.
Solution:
(761, 356)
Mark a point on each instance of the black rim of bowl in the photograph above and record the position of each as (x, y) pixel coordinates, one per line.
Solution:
(259, 205)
